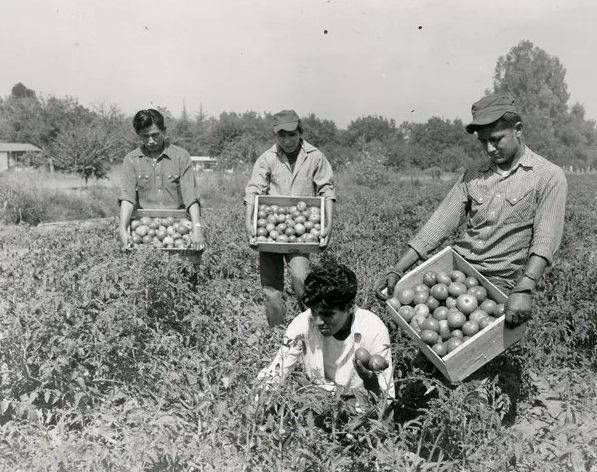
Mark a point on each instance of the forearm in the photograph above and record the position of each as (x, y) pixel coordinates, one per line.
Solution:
(533, 272)
(249, 210)
(329, 214)
(408, 259)
(195, 213)
(126, 210)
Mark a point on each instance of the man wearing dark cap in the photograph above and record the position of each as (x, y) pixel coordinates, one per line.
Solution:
(291, 167)
(513, 206)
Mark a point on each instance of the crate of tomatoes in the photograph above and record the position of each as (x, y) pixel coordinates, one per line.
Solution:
(453, 313)
(287, 224)
(166, 230)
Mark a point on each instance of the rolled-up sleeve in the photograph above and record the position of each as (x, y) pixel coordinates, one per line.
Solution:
(188, 183)
(323, 179)
(549, 218)
(444, 221)
(129, 181)
(259, 182)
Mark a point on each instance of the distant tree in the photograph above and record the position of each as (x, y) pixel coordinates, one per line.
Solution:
(320, 132)
(20, 91)
(82, 150)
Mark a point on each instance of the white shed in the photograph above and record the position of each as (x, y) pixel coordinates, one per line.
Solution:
(204, 163)
(15, 155)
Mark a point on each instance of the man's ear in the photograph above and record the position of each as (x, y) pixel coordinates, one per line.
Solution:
(518, 129)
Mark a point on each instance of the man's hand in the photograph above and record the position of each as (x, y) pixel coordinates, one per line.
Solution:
(125, 238)
(324, 238)
(251, 238)
(518, 308)
(197, 239)
(369, 377)
(388, 282)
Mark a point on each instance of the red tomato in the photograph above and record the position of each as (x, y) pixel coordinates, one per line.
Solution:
(261, 239)
(489, 306)
(471, 281)
(405, 295)
(300, 219)
(161, 234)
(261, 232)
(478, 315)
(444, 330)
(430, 324)
(301, 206)
(440, 348)
(485, 322)
(457, 333)
(429, 337)
(282, 238)
(453, 343)
(456, 319)
(142, 230)
(362, 354)
(299, 229)
(291, 238)
(145, 220)
(137, 239)
(432, 303)
(422, 309)
(261, 214)
(154, 224)
(314, 210)
(479, 292)
(457, 288)
(500, 308)
(309, 225)
(457, 276)
(450, 302)
(274, 234)
(378, 363)
(440, 313)
(466, 303)
(470, 328)
(439, 291)
(415, 323)
(281, 228)
(420, 288)
(314, 217)
(430, 278)
(135, 224)
(420, 297)
(262, 222)
(394, 303)
(406, 312)
(443, 278)
(289, 232)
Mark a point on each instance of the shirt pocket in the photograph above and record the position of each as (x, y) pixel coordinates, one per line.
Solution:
(143, 181)
(479, 198)
(520, 204)
(172, 181)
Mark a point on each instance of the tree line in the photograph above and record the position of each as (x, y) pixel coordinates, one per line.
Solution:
(88, 141)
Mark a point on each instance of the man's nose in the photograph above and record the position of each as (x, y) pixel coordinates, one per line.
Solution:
(490, 147)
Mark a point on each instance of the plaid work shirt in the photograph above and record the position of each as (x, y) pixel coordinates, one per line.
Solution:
(166, 182)
(508, 218)
(312, 175)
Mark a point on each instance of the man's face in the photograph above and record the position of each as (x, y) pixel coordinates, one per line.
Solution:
(288, 140)
(331, 320)
(502, 145)
(152, 138)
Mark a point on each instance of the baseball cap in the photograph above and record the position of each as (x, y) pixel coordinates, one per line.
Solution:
(286, 120)
(490, 109)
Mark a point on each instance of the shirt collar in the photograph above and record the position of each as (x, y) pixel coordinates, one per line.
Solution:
(526, 160)
(139, 152)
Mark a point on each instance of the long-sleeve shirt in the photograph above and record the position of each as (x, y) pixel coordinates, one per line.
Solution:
(311, 176)
(167, 182)
(327, 361)
(508, 218)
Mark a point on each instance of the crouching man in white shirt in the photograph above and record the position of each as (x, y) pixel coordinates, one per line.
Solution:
(327, 335)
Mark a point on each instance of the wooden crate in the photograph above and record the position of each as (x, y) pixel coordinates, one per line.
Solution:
(286, 201)
(479, 349)
(162, 213)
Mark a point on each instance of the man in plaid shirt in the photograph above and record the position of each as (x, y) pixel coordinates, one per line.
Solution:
(513, 206)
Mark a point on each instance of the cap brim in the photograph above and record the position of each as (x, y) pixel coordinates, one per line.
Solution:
(486, 119)
(286, 126)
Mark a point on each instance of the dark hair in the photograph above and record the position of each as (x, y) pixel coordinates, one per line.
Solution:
(508, 121)
(146, 118)
(332, 284)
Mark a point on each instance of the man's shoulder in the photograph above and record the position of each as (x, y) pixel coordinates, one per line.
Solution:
(309, 148)
(172, 150)
(135, 153)
(544, 164)
(369, 320)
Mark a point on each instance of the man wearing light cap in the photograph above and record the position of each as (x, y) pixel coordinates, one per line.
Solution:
(513, 206)
(291, 167)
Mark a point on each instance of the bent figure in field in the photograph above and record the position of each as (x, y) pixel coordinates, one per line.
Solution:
(328, 334)
(292, 167)
(158, 175)
(513, 206)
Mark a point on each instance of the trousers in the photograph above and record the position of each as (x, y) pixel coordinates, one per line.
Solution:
(271, 270)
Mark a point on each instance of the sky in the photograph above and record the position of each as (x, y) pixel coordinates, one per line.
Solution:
(407, 60)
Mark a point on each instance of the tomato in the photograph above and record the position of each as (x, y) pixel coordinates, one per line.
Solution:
(169, 221)
(316, 233)
(142, 230)
(154, 224)
(290, 222)
(430, 278)
(299, 229)
(479, 292)
(422, 309)
(440, 348)
(291, 238)
(362, 354)
(378, 363)
(135, 224)
(489, 306)
(178, 243)
(432, 303)
(309, 225)
(415, 323)
(315, 218)
(429, 337)
(282, 238)
(478, 315)
(311, 238)
(186, 239)
(274, 208)
(261, 232)
(471, 281)
(301, 206)
(431, 324)
(444, 330)
(262, 223)
(271, 218)
(314, 210)
(457, 276)
(457, 333)
(261, 239)
(406, 312)
(274, 234)
(137, 239)
(500, 308)
(170, 230)
(485, 322)
(457, 288)
(168, 241)
(262, 207)
(182, 229)
(261, 214)
(420, 288)
(282, 211)
(176, 236)
(394, 303)
(281, 228)
(450, 302)
(443, 278)
(440, 313)
(145, 220)
(470, 328)
(439, 291)
(300, 219)
(151, 232)
(420, 297)
(280, 218)
(455, 319)
(405, 295)
(453, 343)
(267, 209)
(289, 232)
(147, 239)
(466, 303)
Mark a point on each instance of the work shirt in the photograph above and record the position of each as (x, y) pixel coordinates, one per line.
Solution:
(508, 218)
(304, 340)
(311, 175)
(167, 182)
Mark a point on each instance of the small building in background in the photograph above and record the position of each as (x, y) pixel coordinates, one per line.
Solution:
(16, 155)
(204, 163)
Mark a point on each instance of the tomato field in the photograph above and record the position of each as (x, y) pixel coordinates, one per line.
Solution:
(141, 361)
